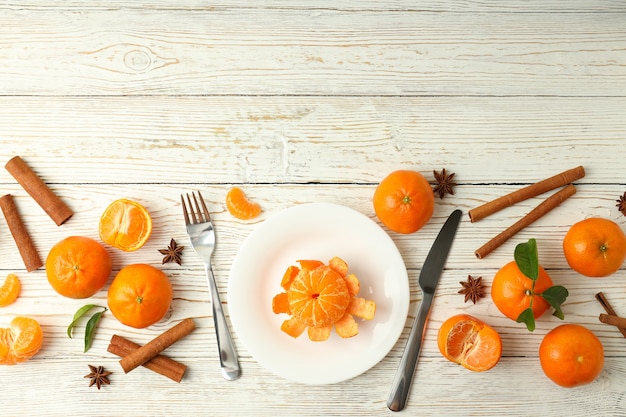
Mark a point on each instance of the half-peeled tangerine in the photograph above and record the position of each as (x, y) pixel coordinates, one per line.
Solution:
(469, 342)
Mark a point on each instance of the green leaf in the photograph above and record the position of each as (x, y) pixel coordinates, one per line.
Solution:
(90, 329)
(528, 318)
(79, 313)
(556, 296)
(527, 259)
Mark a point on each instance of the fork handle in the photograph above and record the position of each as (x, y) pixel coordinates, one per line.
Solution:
(228, 356)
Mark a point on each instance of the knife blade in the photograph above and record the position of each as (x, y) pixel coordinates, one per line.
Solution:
(428, 280)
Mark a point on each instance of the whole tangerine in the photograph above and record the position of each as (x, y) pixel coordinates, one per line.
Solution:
(78, 267)
(571, 355)
(512, 293)
(404, 201)
(140, 295)
(595, 247)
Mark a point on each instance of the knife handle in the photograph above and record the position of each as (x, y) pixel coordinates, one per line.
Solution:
(404, 375)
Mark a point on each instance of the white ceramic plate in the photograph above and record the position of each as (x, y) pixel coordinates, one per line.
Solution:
(317, 231)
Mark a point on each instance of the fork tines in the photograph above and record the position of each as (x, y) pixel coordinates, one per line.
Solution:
(198, 211)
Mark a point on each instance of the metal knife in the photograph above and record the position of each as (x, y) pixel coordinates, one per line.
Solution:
(429, 277)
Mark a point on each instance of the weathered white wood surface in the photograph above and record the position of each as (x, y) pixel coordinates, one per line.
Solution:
(303, 102)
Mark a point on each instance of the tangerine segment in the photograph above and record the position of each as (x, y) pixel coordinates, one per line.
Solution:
(21, 341)
(470, 342)
(10, 290)
(239, 206)
(126, 225)
(318, 297)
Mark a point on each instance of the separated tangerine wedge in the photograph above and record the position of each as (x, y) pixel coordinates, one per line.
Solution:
(469, 342)
(239, 206)
(126, 225)
(10, 290)
(21, 341)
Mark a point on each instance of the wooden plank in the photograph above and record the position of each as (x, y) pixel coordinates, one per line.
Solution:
(569, 6)
(226, 52)
(334, 140)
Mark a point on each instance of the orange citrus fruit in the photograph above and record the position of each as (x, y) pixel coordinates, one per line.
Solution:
(404, 201)
(78, 267)
(595, 247)
(21, 341)
(125, 224)
(10, 290)
(571, 355)
(469, 342)
(320, 296)
(511, 291)
(239, 206)
(140, 295)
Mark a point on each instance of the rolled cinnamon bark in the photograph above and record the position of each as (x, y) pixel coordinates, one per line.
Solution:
(543, 208)
(525, 193)
(39, 191)
(24, 243)
(613, 320)
(157, 345)
(160, 364)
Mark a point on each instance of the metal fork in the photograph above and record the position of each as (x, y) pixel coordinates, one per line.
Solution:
(202, 235)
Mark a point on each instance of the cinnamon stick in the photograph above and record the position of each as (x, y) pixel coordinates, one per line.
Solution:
(24, 243)
(160, 364)
(525, 193)
(613, 320)
(605, 304)
(157, 345)
(39, 191)
(543, 208)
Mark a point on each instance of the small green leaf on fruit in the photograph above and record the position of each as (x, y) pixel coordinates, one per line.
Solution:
(556, 296)
(527, 317)
(527, 259)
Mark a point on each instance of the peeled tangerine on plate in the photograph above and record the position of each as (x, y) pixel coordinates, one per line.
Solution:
(470, 342)
(21, 341)
(319, 297)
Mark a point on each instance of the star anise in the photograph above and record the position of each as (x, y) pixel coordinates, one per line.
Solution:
(473, 289)
(445, 183)
(621, 204)
(98, 376)
(173, 253)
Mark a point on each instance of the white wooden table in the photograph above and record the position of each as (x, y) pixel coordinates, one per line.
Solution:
(310, 101)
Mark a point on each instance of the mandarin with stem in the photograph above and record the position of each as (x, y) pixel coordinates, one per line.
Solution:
(78, 267)
(404, 201)
(571, 355)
